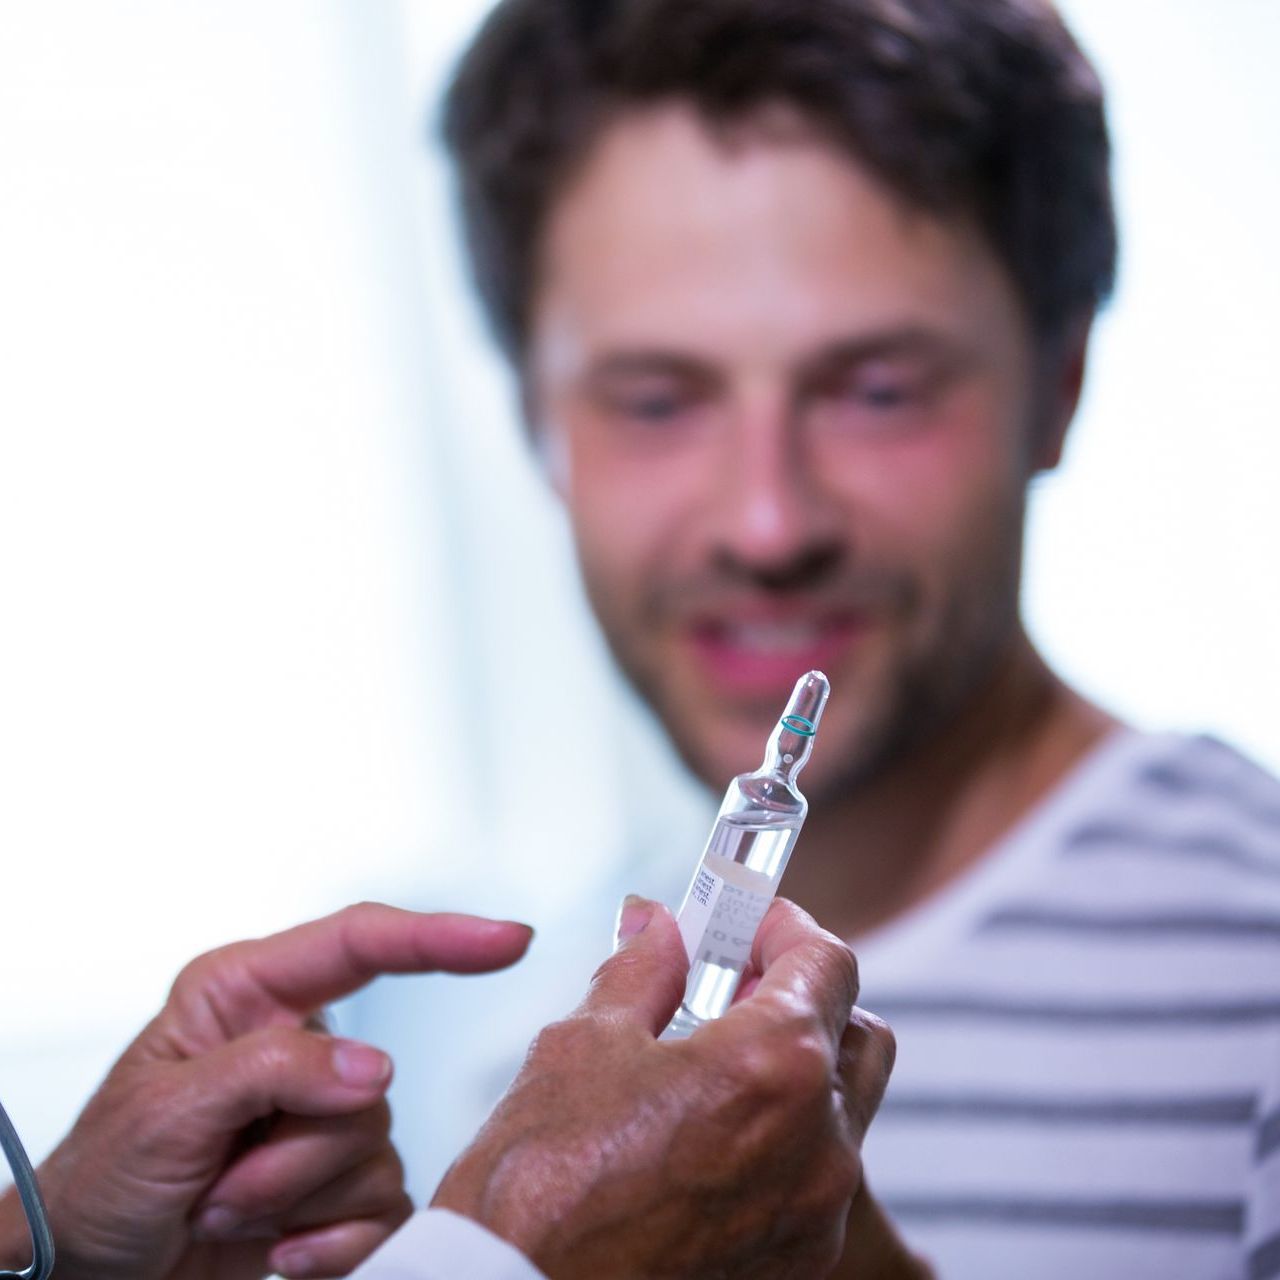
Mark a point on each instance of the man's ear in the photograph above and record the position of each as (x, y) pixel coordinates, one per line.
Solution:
(1062, 373)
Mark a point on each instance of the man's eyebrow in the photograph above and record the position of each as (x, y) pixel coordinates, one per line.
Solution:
(908, 341)
(651, 361)
(832, 358)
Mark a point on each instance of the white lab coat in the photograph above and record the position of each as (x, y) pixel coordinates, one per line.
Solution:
(436, 1244)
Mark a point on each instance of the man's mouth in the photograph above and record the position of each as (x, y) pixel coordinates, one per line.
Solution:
(763, 656)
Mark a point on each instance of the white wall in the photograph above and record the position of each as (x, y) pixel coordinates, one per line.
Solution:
(270, 547)
(1154, 561)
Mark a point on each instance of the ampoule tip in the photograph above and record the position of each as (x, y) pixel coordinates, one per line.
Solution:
(804, 709)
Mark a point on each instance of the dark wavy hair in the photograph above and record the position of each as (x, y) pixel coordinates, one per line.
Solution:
(985, 109)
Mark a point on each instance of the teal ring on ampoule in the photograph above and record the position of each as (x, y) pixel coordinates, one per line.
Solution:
(801, 725)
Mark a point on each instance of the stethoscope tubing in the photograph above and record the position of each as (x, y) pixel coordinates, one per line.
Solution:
(24, 1179)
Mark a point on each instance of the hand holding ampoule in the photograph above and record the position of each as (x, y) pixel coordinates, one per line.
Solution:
(744, 859)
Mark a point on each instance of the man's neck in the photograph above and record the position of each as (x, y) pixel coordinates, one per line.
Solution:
(877, 853)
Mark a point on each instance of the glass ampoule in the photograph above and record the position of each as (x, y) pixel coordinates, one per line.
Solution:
(744, 859)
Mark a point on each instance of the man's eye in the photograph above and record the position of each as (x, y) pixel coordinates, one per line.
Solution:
(885, 389)
(648, 408)
(879, 399)
(882, 395)
(652, 408)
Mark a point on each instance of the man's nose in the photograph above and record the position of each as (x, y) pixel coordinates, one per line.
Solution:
(774, 519)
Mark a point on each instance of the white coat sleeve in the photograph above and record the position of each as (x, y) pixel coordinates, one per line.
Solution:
(436, 1244)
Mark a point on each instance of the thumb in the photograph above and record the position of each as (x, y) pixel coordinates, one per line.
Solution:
(644, 979)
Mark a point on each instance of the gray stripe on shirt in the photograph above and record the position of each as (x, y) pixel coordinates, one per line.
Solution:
(1264, 1261)
(1195, 1217)
(1226, 1110)
(1268, 1136)
(1164, 775)
(1110, 836)
(1189, 1015)
(1138, 926)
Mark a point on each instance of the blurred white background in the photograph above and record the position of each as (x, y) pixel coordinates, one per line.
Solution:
(288, 619)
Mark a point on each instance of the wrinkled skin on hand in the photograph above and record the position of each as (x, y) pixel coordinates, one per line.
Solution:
(234, 1137)
(734, 1153)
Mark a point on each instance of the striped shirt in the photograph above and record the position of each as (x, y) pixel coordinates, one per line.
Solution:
(1088, 1073)
(1088, 1023)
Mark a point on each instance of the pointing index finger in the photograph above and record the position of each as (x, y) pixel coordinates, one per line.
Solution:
(313, 963)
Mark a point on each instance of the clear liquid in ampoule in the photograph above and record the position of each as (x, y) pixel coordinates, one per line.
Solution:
(743, 861)
(732, 888)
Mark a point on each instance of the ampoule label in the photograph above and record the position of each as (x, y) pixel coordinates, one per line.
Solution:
(722, 910)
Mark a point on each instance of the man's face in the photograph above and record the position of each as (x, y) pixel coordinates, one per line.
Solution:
(790, 420)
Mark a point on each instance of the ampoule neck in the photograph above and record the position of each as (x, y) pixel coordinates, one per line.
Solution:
(785, 755)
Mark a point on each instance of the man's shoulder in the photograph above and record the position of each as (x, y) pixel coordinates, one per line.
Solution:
(1203, 769)
(1187, 809)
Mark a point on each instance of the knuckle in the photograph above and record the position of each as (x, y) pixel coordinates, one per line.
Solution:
(565, 1038)
(355, 923)
(622, 962)
(885, 1040)
(358, 910)
(809, 1064)
(356, 920)
(876, 1038)
(388, 1181)
(793, 1063)
(616, 963)
(279, 1049)
(212, 991)
(196, 974)
(758, 1069)
(632, 969)
(842, 964)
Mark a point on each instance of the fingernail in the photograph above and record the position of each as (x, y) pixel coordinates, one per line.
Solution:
(217, 1222)
(293, 1262)
(633, 916)
(360, 1065)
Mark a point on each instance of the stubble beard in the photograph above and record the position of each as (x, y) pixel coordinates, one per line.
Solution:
(920, 696)
(923, 694)
(933, 678)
